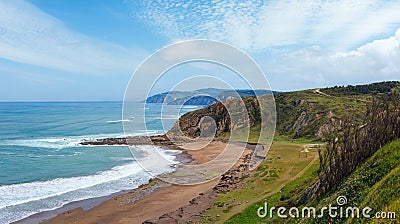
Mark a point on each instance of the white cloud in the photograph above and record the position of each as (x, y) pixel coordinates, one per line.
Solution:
(299, 44)
(28, 35)
(315, 67)
(339, 25)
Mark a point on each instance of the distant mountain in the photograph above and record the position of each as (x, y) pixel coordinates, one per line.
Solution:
(206, 96)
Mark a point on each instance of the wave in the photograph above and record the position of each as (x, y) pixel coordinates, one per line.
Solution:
(169, 117)
(57, 142)
(68, 141)
(18, 201)
(117, 121)
(21, 193)
(189, 107)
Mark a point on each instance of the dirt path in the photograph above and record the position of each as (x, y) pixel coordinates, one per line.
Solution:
(318, 91)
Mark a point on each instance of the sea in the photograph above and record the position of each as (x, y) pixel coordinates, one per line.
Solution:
(43, 167)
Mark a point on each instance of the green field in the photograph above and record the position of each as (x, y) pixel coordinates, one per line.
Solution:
(375, 184)
(284, 164)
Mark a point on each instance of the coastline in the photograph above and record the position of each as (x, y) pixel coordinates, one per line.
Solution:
(154, 202)
(84, 204)
(89, 203)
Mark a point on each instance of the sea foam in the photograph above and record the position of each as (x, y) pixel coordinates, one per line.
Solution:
(67, 141)
(18, 201)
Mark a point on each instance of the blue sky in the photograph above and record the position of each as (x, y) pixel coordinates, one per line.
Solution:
(53, 50)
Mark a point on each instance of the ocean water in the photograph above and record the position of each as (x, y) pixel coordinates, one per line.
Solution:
(43, 167)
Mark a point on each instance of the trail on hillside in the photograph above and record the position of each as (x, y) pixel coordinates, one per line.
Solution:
(318, 91)
(283, 184)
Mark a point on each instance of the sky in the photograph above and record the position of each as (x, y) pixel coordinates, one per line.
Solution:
(53, 50)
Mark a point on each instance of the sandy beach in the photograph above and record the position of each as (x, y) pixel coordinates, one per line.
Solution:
(161, 202)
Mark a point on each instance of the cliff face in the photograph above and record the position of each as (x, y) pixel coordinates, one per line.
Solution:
(299, 114)
(305, 119)
(193, 123)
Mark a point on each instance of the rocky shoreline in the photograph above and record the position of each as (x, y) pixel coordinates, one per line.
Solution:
(177, 203)
(192, 212)
(159, 140)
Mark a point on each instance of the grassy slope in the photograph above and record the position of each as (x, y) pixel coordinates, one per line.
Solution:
(233, 207)
(283, 176)
(342, 101)
(290, 105)
(273, 174)
(375, 184)
(282, 166)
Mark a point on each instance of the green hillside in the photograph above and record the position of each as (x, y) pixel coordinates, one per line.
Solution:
(373, 88)
(311, 113)
(285, 178)
(306, 114)
(375, 184)
(280, 178)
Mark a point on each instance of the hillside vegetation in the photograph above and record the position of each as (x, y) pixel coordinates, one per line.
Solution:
(283, 166)
(375, 184)
(355, 122)
(310, 114)
(351, 143)
(374, 88)
(347, 169)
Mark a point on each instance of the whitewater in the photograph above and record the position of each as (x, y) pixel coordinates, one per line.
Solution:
(43, 166)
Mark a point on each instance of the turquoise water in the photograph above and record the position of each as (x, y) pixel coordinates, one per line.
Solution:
(42, 166)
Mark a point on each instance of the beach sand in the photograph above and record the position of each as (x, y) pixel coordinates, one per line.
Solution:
(161, 202)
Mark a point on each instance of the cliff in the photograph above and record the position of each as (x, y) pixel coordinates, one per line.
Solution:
(301, 114)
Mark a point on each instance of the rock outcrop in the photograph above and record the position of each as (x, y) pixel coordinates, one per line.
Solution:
(223, 117)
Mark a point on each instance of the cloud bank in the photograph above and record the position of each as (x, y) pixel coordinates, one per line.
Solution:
(315, 67)
(30, 36)
(256, 25)
(299, 44)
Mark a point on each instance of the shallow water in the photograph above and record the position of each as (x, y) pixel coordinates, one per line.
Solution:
(43, 167)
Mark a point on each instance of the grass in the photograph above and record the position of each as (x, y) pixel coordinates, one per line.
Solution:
(323, 110)
(375, 184)
(287, 194)
(282, 166)
(291, 105)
